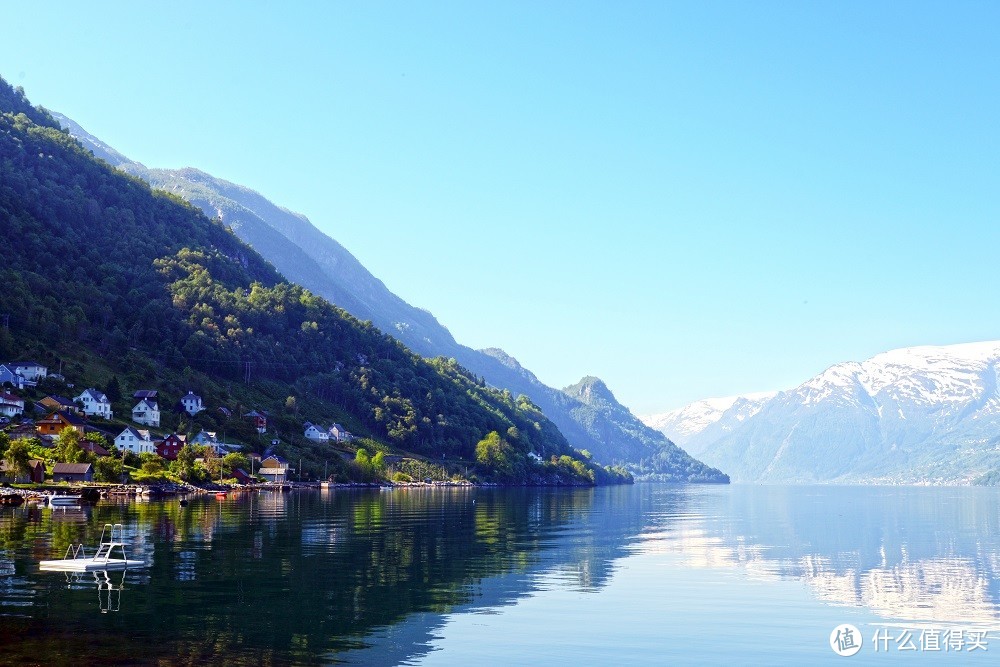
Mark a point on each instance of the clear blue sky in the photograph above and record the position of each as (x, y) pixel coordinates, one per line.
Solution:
(686, 199)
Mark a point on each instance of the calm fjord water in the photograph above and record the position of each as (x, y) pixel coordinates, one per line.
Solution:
(649, 574)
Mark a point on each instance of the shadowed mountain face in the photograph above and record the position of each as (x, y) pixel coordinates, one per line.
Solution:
(308, 257)
(119, 280)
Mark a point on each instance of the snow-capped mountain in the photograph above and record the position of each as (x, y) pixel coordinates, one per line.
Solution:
(697, 425)
(917, 415)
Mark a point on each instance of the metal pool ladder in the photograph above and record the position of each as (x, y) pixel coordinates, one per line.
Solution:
(107, 546)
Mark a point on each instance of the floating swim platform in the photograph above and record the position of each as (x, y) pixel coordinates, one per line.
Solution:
(76, 559)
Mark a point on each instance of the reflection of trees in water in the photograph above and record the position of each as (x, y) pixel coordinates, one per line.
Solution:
(278, 577)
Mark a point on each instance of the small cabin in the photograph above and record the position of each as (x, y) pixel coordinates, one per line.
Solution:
(73, 472)
(35, 474)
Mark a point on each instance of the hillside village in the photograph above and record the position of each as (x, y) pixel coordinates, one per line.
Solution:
(79, 438)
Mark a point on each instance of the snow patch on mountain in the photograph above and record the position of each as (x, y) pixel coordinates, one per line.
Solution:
(697, 425)
(920, 414)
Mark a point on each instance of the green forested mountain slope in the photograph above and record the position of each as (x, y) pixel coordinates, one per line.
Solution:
(96, 263)
(308, 257)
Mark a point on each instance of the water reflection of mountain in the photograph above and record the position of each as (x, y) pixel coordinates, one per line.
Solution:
(274, 578)
(909, 554)
(578, 553)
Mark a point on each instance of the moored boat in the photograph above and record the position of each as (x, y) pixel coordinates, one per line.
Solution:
(63, 501)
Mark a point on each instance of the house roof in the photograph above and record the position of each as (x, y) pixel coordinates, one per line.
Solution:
(94, 448)
(145, 393)
(25, 364)
(22, 430)
(338, 427)
(276, 459)
(256, 413)
(191, 396)
(61, 400)
(95, 394)
(176, 436)
(34, 464)
(135, 433)
(7, 397)
(150, 405)
(71, 468)
(70, 418)
(9, 370)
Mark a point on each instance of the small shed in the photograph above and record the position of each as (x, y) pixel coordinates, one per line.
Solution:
(73, 472)
(35, 474)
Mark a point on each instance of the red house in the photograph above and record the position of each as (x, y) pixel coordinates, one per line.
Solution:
(169, 447)
(259, 420)
(243, 477)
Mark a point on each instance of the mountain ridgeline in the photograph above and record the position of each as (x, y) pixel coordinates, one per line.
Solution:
(653, 455)
(114, 277)
(914, 415)
(308, 257)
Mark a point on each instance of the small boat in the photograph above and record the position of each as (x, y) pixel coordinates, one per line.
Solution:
(76, 560)
(63, 501)
(220, 494)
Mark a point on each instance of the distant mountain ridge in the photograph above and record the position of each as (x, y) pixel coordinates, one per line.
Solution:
(310, 258)
(913, 415)
(697, 425)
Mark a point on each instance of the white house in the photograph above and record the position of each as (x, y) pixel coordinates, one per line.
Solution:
(135, 441)
(339, 433)
(211, 439)
(535, 457)
(95, 403)
(12, 403)
(147, 413)
(205, 438)
(30, 370)
(192, 404)
(313, 432)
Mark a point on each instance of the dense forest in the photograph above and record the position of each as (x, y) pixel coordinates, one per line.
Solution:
(98, 265)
